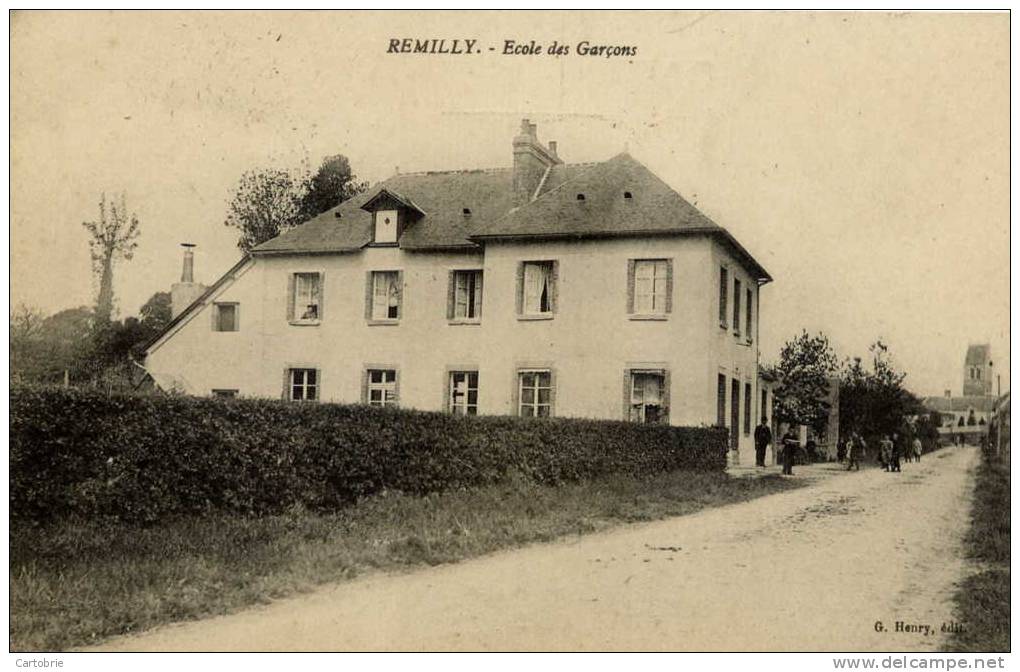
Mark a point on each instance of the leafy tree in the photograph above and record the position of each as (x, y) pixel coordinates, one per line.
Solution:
(266, 202)
(330, 186)
(805, 367)
(960, 423)
(873, 400)
(114, 235)
(42, 348)
(269, 201)
(156, 312)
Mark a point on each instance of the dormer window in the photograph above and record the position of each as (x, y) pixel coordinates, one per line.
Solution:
(386, 226)
(391, 215)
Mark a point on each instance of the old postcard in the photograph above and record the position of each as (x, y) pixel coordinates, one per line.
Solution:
(510, 331)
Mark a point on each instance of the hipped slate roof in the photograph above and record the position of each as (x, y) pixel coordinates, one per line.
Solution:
(555, 212)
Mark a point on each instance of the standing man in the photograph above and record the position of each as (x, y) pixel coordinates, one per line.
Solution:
(854, 451)
(762, 439)
(885, 450)
(918, 448)
(790, 443)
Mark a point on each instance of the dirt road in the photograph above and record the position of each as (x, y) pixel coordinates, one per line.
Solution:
(812, 569)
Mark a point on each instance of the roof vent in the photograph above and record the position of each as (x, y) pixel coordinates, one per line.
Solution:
(580, 197)
(338, 214)
(627, 195)
(467, 211)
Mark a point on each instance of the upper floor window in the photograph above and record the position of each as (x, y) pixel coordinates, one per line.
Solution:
(305, 299)
(736, 307)
(381, 387)
(303, 384)
(385, 226)
(465, 300)
(536, 291)
(225, 317)
(385, 295)
(750, 312)
(724, 289)
(650, 287)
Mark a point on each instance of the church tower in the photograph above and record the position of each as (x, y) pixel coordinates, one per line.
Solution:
(977, 371)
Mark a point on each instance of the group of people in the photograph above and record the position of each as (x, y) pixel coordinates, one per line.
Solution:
(890, 451)
(762, 439)
(852, 450)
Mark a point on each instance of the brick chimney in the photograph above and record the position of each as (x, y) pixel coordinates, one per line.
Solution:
(184, 293)
(531, 161)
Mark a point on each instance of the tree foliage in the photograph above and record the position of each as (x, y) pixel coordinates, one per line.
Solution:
(113, 236)
(75, 342)
(332, 184)
(872, 398)
(268, 201)
(806, 364)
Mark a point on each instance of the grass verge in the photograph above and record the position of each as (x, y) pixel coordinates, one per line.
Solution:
(77, 583)
(982, 601)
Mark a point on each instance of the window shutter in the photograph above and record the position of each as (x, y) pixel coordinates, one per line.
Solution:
(368, 295)
(451, 297)
(478, 294)
(669, 286)
(631, 266)
(554, 298)
(214, 310)
(400, 294)
(520, 288)
(322, 295)
(364, 385)
(665, 394)
(396, 384)
(627, 373)
(286, 384)
(552, 389)
(318, 384)
(290, 296)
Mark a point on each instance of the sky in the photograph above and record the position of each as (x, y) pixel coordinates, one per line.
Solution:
(863, 159)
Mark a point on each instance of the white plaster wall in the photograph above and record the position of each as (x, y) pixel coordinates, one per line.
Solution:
(731, 355)
(589, 343)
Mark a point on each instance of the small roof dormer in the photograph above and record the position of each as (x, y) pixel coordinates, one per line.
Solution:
(391, 215)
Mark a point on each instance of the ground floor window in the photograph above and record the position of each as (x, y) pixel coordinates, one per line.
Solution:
(463, 393)
(304, 385)
(748, 401)
(720, 401)
(381, 389)
(648, 396)
(229, 394)
(535, 393)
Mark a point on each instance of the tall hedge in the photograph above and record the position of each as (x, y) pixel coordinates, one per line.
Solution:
(143, 458)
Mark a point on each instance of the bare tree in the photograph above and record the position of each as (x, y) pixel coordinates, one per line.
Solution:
(113, 236)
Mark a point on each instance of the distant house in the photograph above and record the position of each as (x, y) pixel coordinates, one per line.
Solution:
(976, 401)
(970, 413)
(544, 289)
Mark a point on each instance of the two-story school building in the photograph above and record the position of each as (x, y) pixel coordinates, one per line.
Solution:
(545, 289)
